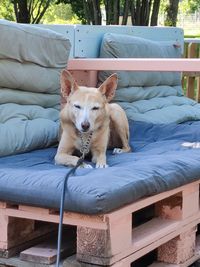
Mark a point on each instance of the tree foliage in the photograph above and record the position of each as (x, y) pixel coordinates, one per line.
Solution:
(141, 11)
(59, 14)
(88, 11)
(189, 6)
(6, 10)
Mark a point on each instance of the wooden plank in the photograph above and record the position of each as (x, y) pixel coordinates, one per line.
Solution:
(136, 64)
(142, 203)
(152, 230)
(198, 90)
(4, 205)
(7, 253)
(16, 262)
(93, 221)
(190, 195)
(46, 252)
(192, 47)
(190, 87)
(37, 210)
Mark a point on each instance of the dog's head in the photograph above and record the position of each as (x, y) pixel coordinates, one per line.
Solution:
(86, 106)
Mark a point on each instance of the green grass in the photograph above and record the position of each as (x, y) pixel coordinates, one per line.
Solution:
(191, 36)
(192, 33)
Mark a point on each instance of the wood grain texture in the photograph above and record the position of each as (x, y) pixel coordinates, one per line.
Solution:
(93, 242)
(179, 249)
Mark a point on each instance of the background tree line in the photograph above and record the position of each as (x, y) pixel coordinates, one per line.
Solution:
(141, 12)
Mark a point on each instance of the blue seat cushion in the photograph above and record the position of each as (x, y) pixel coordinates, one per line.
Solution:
(158, 163)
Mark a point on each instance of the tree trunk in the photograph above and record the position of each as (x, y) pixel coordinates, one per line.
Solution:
(155, 11)
(108, 8)
(172, 13)
(133, 15)
(30, 11)
(21, 11)
(87, 13)
(140, 12)
(112, 8)
(91, 11)
(148, 10)
(127, 5)
(145, 12)
(97, 12)
(116, 12)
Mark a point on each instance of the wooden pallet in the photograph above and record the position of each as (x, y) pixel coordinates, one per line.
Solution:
(113, 238)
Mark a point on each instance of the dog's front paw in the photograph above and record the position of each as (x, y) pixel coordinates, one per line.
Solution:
(65, 159)
(117, 151)
(85, 166)
(100, 165)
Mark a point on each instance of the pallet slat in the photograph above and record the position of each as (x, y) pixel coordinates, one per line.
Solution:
(45, 253)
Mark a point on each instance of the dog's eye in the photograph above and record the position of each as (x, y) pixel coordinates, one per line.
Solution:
(95, 108)
(77, 106)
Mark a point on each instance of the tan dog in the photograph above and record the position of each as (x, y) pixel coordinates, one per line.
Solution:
(87, 113)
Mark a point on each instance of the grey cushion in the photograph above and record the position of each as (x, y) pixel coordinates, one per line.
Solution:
(125, 46)
(148, 96)
(31, 60)
(27, 76)
(26, 43)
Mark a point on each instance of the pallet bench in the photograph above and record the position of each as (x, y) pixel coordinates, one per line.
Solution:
(115, 239)
(109, 239)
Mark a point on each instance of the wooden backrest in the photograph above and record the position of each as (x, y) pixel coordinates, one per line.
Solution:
(86, 39)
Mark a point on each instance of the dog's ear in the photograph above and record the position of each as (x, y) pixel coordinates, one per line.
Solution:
(68, 84)
(109, 86)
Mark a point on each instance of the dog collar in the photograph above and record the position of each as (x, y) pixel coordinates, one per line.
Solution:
(85, 143)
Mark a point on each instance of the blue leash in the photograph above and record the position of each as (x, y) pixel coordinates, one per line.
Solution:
(70, 172)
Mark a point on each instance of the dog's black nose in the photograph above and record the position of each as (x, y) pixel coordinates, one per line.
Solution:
(85, 125)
